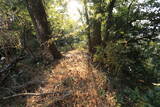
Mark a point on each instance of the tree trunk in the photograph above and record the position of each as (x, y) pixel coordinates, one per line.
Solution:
(109, 19)
(96, 39)
(94, 27)
(88, 25)
(39, 18)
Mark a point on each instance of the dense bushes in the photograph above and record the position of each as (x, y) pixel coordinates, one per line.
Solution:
(135, 98)
(134, 66)
(136, 61)
(131, 53)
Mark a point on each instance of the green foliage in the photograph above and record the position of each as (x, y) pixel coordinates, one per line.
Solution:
(131, 54)
(101, 92)
(14, 18)
(136, 98)
(135, 62)
(66, 31)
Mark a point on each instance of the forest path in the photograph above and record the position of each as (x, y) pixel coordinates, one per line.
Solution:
(80, 84)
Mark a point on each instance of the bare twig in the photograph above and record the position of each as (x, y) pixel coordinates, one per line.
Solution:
(35, 94)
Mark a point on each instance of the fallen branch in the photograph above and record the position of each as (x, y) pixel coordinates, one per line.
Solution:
(35, 94)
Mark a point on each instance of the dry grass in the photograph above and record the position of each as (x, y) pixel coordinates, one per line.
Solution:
(74, 73)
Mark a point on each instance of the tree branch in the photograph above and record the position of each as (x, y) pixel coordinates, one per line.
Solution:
(36, 94)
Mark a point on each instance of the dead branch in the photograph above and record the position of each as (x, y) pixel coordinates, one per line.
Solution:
(35, 94)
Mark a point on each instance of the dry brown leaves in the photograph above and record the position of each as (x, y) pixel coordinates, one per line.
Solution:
(75, 74)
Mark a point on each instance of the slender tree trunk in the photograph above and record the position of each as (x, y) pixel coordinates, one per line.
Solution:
(39, 18)
(109, 19)
(93, 31)
(96, 39)
(88, 27)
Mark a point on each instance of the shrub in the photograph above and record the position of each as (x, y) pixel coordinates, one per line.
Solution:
(136, 98)
(131, 62)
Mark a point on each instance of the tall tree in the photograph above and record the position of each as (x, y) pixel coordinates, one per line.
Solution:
(86, 14)
(39, 18)
(96, 38)
(93, 24)
(109, 19)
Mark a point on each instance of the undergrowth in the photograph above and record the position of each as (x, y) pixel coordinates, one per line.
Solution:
(132, 70)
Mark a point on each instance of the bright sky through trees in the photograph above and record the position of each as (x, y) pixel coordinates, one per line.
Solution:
(73, 7)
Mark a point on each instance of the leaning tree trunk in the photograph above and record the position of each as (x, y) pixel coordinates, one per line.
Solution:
(39, 18)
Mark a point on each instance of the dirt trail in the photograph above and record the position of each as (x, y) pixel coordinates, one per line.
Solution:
(79, 84)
